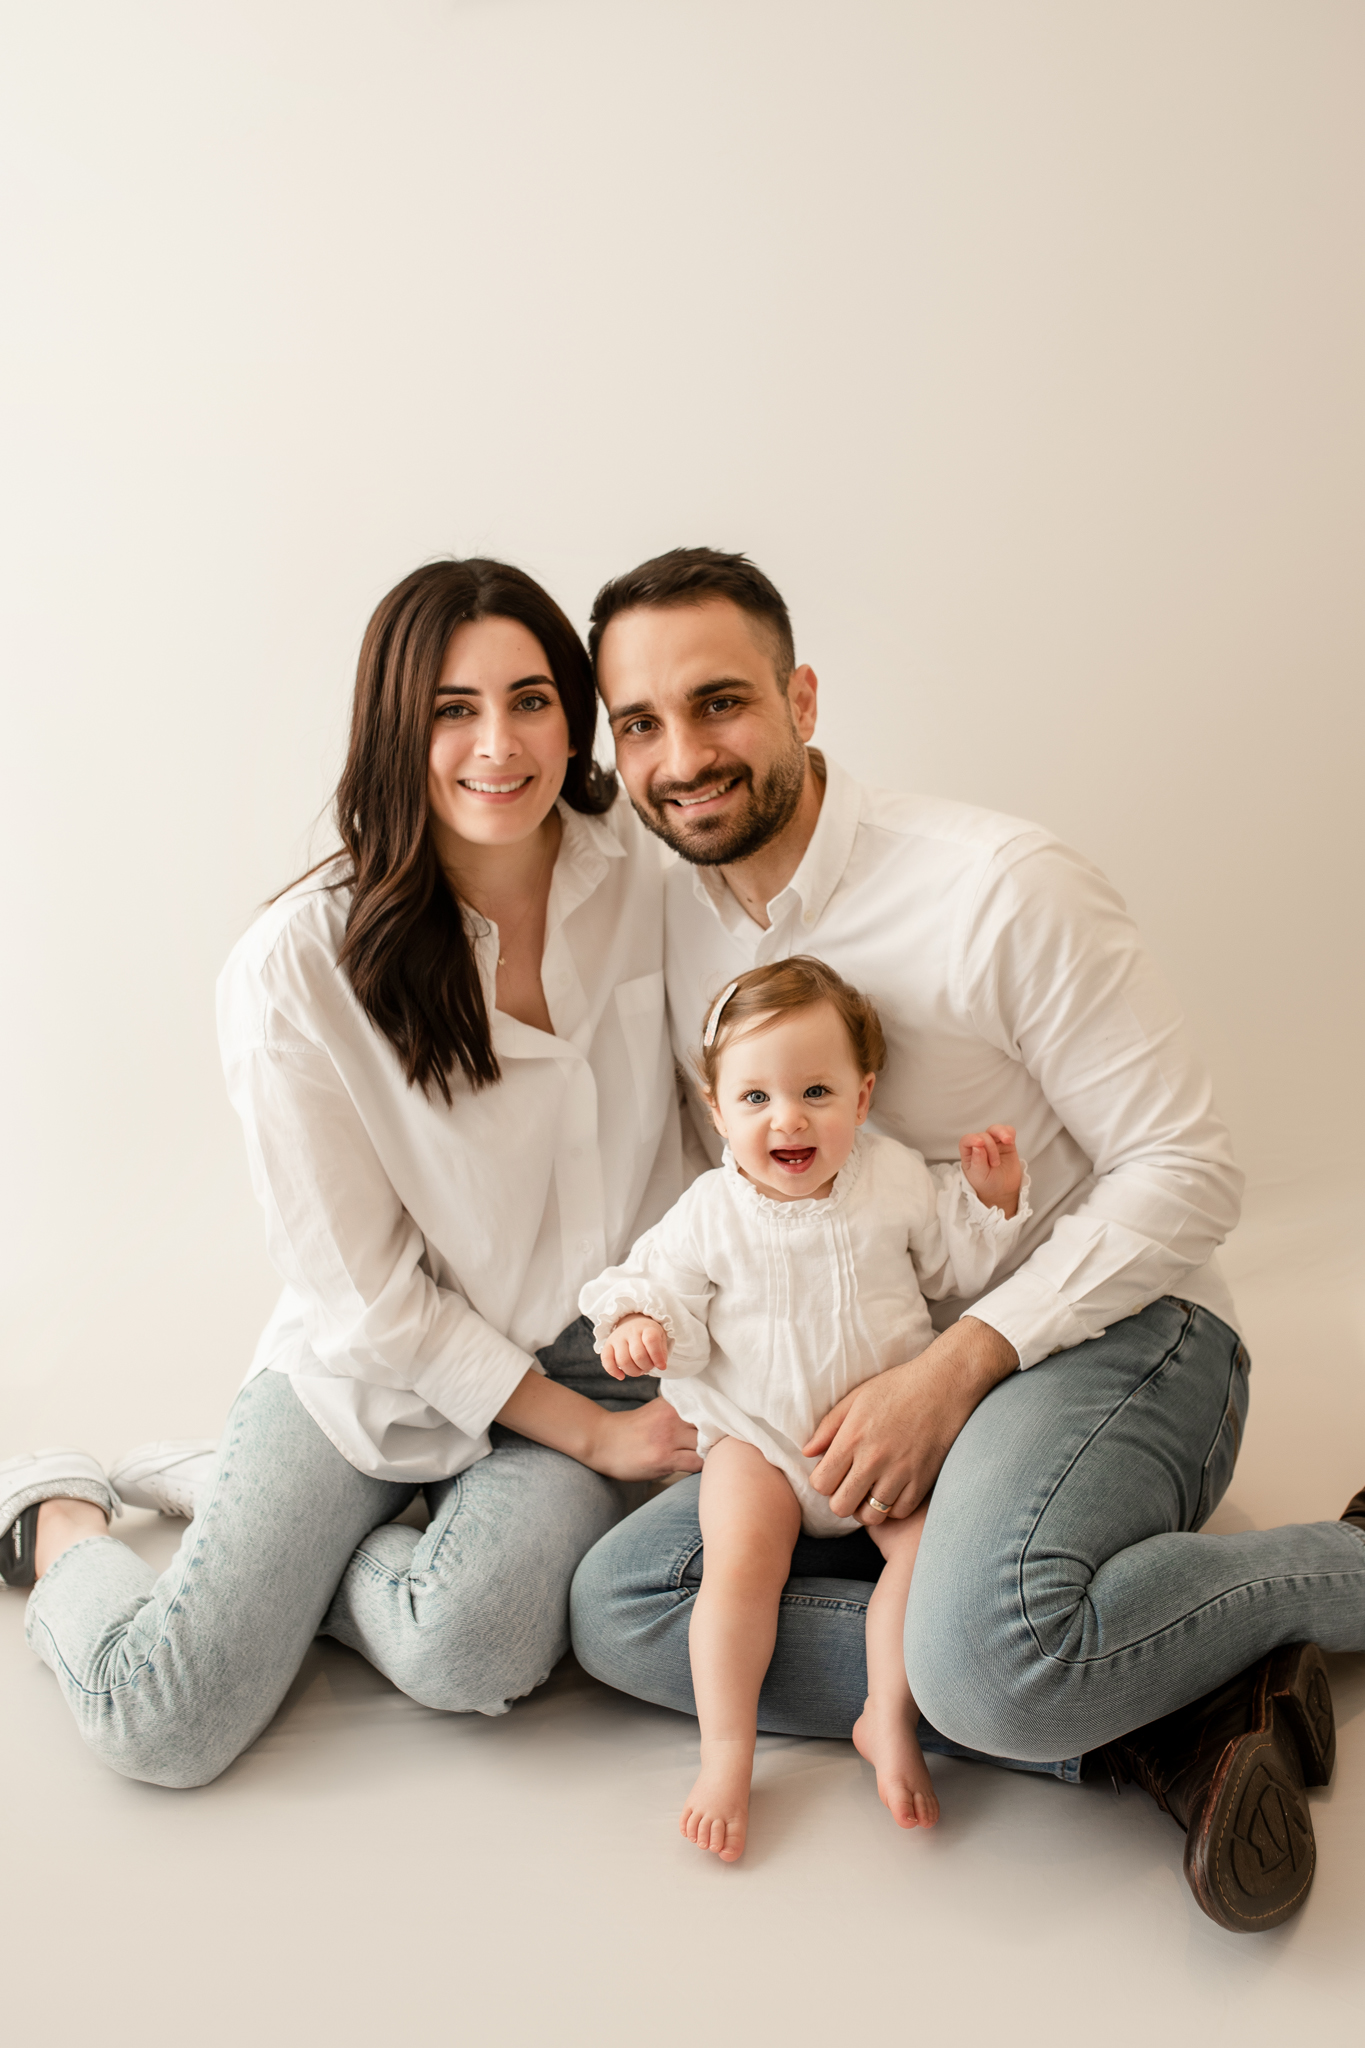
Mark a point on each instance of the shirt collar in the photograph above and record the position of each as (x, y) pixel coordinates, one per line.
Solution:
(821, 868)
(586, 845)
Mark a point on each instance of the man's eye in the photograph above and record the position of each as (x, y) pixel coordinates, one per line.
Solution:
(636, 727)
(721, 704)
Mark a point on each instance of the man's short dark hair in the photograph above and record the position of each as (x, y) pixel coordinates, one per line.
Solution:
(694, 576)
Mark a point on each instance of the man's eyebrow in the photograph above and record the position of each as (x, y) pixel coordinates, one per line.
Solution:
(714, 688)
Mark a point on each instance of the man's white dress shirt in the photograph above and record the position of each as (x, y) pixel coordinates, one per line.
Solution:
(775, 1310)
(429, 1249)
(1012, 988)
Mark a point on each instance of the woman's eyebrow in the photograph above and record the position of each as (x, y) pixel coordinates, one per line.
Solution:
(473, 690)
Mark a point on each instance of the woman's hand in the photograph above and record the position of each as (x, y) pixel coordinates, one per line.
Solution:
(889, 1437)
(994, 1170)
(636, 1346)
(649, 1442)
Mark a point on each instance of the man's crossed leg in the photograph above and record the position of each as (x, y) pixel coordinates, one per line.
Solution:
(1062, 1599)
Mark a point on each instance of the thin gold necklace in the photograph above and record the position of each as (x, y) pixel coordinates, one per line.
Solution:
(535, 892)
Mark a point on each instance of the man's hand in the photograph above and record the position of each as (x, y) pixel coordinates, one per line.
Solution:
(889, 1437)
(636, 1346)
(994, 1170)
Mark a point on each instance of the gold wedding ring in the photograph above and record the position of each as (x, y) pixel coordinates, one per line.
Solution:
(882, 1507)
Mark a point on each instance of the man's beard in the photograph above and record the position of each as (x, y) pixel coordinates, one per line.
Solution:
(716, 842)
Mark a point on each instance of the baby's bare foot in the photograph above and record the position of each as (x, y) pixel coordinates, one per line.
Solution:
(883, 1736)
(716, 1815)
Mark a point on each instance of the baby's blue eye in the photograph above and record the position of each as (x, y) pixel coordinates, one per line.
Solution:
(818, 1090)
(754, 1096)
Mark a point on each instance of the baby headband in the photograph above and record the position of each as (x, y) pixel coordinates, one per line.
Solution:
(709, 1035)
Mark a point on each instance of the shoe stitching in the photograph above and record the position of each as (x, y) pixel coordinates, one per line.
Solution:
(1228, 1812)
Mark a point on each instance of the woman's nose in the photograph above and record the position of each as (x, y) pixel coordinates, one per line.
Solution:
(496, 740)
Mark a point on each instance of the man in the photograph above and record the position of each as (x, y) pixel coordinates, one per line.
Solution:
(1082, 1421)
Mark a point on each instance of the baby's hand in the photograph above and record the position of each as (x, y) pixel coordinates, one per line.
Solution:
(636, 1346)
(993, 1168)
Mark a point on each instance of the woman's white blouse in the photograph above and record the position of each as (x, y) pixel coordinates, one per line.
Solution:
(775, 1310)
(428, 1250)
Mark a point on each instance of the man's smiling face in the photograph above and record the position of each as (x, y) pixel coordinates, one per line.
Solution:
(709, 744)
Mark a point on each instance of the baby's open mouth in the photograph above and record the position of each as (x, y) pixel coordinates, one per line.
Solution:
(795, 1158)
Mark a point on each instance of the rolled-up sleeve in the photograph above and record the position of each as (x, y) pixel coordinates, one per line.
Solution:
(1052, 971)
(343, 1242)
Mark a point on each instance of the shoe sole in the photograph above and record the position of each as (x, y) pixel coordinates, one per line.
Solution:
(1250, 1860)
(17, 1547)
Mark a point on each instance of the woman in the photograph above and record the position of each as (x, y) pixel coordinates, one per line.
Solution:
(448, 1051)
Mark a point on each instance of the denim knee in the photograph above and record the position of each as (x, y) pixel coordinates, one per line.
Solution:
(984, 1680)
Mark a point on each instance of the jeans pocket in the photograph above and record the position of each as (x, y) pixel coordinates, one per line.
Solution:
(1222, 1457)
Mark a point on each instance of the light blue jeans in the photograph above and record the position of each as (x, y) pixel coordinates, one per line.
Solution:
(1061, 1595)
(170, 1678)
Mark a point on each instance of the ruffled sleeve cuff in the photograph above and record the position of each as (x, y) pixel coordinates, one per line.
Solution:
(608, 1313)
(984, 1221)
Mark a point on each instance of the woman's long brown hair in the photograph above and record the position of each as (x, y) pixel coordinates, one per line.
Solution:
(407, 951)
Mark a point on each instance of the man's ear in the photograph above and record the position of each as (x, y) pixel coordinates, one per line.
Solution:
(865, 1098)
(801, 694)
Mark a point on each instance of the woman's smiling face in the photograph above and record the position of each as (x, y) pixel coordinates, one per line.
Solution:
(499, 737)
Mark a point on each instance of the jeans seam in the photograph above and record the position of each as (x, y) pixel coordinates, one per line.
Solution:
(1189, 1311)
(109, 1692)
(1248, 1586)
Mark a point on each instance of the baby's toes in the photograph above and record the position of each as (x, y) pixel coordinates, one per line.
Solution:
(926, 1809)
(732, 1841)
(900, 1801)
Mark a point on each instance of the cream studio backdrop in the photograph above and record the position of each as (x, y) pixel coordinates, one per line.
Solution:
(1018, 343)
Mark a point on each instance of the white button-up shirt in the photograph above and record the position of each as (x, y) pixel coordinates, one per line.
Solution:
(429, 1249)
(1012, 988)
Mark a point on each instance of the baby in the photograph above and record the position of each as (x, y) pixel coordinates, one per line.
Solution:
(781, 1281)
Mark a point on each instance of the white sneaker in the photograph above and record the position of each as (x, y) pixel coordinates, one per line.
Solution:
(25, 1483)
(165, 1476)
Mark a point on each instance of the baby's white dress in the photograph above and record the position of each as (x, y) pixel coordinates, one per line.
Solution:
(775, 1310)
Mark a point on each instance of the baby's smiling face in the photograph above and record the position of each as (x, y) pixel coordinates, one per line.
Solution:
(789, 1099)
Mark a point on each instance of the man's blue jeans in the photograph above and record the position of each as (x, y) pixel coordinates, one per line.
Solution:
(1061, 1594)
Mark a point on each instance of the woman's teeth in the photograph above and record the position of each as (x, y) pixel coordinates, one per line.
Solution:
(495, 788)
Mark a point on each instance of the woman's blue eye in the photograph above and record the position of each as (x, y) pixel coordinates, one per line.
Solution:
(536, 703)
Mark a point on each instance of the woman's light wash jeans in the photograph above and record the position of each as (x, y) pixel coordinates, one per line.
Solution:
(1060, 1596)
(170, 1678)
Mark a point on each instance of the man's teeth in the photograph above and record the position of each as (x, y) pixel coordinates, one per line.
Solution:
(496, 788)
(704, 796)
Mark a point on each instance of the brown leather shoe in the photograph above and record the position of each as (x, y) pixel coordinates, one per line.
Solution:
(1231, 1770)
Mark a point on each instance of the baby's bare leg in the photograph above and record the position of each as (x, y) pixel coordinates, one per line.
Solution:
(749, 1521)
(885, 1730)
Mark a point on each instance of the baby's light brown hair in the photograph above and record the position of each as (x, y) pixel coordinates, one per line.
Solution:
(778, 990)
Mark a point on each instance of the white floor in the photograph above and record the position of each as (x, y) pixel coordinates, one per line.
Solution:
(371, 1870)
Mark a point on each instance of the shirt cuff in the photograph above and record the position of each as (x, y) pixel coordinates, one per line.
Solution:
(469, 1390)
(1032, 1316)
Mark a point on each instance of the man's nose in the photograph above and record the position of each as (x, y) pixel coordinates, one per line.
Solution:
(686, 753)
